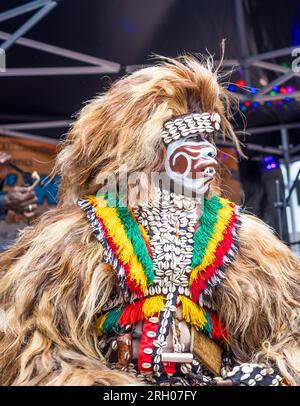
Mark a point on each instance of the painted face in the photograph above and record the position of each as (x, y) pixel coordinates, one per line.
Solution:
(191, 163)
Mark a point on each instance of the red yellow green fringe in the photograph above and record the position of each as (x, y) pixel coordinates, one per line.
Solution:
(127, 241)
(130, 314)
(212, 241)
(202, 319)
(215, 243)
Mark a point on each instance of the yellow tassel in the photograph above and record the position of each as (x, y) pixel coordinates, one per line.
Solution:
(192, 313)
(101, 321)
(224, 217)
(116, 230)
(142, 229)
(153, 305)
(144, 233)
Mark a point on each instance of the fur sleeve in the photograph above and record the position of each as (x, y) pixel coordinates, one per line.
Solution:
(259, 300)
(53, 284)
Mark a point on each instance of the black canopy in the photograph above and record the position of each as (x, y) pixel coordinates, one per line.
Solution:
(124, 33)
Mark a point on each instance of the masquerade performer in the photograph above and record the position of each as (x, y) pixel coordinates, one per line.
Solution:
(172, 286)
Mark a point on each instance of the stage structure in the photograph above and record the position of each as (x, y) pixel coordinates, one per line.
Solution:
(247, 63)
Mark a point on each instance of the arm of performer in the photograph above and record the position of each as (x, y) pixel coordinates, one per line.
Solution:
(18, 199)
(21, 201)
(259, 303)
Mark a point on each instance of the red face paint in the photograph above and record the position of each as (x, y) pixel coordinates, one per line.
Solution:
(191, 164)
(189, 158)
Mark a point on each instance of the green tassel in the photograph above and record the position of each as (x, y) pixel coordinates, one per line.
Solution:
(206, 228)
(112, 320)
(134, 235)
(201, 238)
(208, 325)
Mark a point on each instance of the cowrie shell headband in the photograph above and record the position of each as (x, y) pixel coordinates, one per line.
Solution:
(188, 124)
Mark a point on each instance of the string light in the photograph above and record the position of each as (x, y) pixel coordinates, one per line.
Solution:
(232, 88)
(270, 163)
(240, 83)
(249, 105)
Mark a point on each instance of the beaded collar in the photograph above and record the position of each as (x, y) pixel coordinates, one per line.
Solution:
(161, 269)
(127, 248)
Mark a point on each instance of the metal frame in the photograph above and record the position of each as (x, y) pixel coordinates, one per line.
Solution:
(43, 6)
(258, 61)
(27, 136)
(97, 66)
(242, 39)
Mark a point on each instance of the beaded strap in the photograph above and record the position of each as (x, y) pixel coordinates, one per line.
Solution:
(183, 126)
(149, 334)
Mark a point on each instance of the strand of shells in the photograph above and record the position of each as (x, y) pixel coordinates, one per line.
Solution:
(253, 374)
(189, 124)
(170, 221)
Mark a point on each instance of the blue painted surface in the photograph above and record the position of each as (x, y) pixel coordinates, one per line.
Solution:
(48, 192)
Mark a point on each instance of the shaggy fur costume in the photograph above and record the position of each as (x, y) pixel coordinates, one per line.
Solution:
(54, 283)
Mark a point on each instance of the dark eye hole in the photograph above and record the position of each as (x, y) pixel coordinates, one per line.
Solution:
(197, 137)
(211, 154)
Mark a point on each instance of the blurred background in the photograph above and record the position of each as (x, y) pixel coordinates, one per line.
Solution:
(55, 55)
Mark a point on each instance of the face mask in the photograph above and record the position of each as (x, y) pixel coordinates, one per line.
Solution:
(191, 164)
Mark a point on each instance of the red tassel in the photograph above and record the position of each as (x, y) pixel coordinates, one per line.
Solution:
(147, 246)
(201, 282)
(170, 367)
(218, 329)
(195, 290)
(131, 285)
(133, 313)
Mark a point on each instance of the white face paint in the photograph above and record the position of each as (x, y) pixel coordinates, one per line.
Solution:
(191, 164)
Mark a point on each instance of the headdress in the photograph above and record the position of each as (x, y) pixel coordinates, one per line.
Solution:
(188, 124)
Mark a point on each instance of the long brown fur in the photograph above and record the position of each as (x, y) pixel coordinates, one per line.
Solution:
(123, 126)
(52, 286)
(259, 302)
(53, 282)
